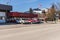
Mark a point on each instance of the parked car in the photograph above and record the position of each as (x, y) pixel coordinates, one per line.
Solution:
(34, 21)
(37, 21)
(19, 21)
(27, 22)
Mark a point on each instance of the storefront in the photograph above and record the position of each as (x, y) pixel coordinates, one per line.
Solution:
(4, 10)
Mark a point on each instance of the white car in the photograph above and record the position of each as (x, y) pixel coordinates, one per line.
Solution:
(27, 22)
(20, 21)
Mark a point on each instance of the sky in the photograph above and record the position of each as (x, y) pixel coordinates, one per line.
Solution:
(24, 5)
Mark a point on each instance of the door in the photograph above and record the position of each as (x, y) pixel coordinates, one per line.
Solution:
(2, 17)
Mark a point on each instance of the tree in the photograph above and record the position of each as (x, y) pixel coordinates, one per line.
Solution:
(30, 10)
(51, 13)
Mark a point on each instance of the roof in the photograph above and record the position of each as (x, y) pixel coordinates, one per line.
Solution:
(22, 15)
(5, 7)
(37, 9)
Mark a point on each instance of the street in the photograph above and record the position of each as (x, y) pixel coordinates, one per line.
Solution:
(32, 32)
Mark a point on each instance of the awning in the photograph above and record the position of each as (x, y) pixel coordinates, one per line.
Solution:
(5, 7)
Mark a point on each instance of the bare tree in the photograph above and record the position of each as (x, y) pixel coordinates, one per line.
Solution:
(51, 13)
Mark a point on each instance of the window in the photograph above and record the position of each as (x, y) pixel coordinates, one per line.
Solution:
(2, 18)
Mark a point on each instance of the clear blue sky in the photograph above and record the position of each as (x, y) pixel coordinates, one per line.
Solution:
(24, 5)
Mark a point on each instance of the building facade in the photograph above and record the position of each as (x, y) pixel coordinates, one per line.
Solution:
(19, 15)
(4, 10)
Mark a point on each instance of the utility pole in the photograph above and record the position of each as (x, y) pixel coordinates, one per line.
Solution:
(7, 3)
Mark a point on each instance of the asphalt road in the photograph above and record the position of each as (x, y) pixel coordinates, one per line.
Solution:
(32, 32)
